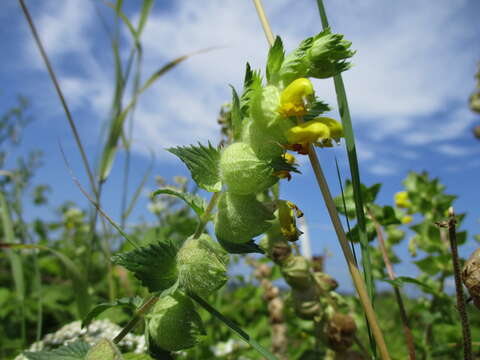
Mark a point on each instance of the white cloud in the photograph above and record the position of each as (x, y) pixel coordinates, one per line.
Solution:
(455, 150)
(382, 169)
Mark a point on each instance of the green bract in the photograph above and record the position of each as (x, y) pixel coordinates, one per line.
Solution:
(264, 105)
(265, 141)
(241, 217)
(202, 265)
(174, 324)
(243, 172)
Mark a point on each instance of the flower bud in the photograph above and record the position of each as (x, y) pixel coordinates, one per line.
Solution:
(324, 281)
(243, 172)
(241, 217)
(471, 276)
(202, 265)
(174, 324)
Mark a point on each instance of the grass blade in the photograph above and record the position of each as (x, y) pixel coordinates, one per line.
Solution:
(79, 283)
(60, 95)
(234, 327)
(15, 261)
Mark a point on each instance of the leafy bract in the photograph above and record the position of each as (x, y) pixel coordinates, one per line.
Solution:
(132, 303)
(252, 82)
(248, 247)
(153, 265)
(236, 115)
(202, 161)
(276, 54)
(74, 351)
(195, 202)
(316, 109)
(104, 350)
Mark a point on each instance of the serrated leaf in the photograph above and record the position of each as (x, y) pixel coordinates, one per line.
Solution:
(248, 247)
(104, 350)
(276, 54)
(252, 81)
(153, 265)
(194, 201)
(280, 163)
(236, 115)
(316, 109)
(132, 303)
(202, 161)
(295, 64)
(74, 351)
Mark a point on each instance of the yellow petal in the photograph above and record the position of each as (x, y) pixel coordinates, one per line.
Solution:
(308, 132)
(407, 219)
(292, 98)
(401, 200)
(336, 128)
(289, 158)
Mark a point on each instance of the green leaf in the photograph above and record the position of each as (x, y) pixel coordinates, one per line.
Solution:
(236, 115)
(153, 265)
(104, 350)
(276, 54)
(316, 109)
(432, 265)
(202, 161)
(401, 280)
(74, 351)
(280, 163)
(295, 64)
(248, 247)
(194, 201)
(132, 303)
(252, 82)
(135, 356)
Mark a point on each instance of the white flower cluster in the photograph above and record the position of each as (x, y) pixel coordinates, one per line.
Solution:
(92, 334)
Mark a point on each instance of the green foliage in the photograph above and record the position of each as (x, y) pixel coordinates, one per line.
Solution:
(195, 202)
(74, 351)
(202, 161)
(154, 265)
(104, 350)
(276, 54)
(132, 303)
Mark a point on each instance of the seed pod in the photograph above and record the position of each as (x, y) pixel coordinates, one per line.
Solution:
(241, 217)
(296, 272)
(174, 324)
(471, 276)
(306, 303)
(243, 172)
(202, 265)
(340, 332)
(324, 281)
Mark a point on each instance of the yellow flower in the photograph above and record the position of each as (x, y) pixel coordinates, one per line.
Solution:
(401, 200)
(336, 129)
(292, 98)
(407, 219)
(287, 211)
(289, 158)
(309, 132)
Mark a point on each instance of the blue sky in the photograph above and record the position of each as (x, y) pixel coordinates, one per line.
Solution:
(408, 91)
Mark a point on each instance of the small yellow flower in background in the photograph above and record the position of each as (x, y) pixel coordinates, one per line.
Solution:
(407, 219)
(292, 98)
(401, 200)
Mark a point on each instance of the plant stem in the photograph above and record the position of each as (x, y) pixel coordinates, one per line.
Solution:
(398, 296)
(153, 299)
(354, 272)
(334, 217)
(467, 339)
(136, 318)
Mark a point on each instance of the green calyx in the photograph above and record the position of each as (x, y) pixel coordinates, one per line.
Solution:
(264, 105)
(202, 265)
(241, 217)
(243, 172)
(174, 324)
